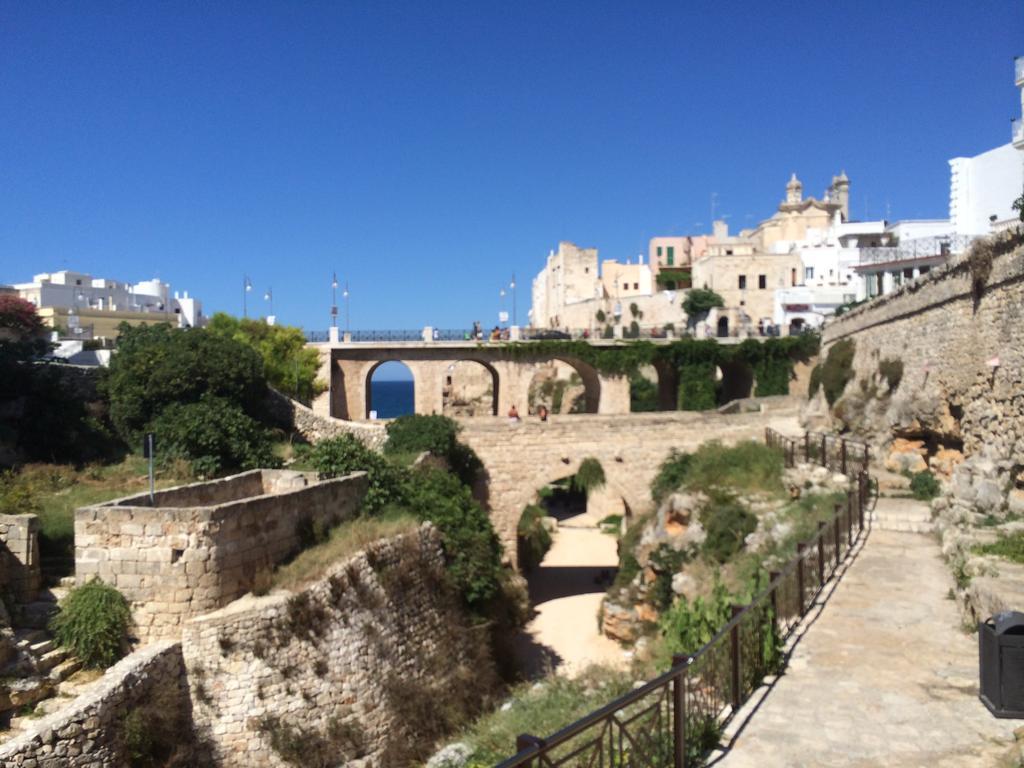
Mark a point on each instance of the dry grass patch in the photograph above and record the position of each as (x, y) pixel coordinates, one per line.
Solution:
(343, 541)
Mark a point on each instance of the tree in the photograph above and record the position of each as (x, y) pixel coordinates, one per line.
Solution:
(1018, 205)
(157, 365)
(700, 301)
(288, 364)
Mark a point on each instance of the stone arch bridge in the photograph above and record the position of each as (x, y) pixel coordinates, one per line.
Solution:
(521, 458)
(348, 369)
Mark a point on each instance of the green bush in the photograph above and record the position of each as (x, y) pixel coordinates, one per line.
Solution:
(290, 366)
(701, 300)
(837, 369)
(589, 477)
(214, 436)
(16, 497)
(471, 546)
(629, 566)
(697, 387)
(534, 538)
(643, 394)
(747, 466)
(93, 623)
(891, 370)
(671, 475)
(727, 522)
(687, 626)
(1009, 546)
(438, 435)
(925, 486)
(344, 454)
(157, 365)
(666, 562)
(815, 382)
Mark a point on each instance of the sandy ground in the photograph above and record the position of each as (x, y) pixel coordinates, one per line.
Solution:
(566, 592)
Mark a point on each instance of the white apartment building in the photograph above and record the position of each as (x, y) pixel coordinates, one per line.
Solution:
(90, 307)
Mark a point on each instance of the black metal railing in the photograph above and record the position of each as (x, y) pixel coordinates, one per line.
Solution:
(677, 718)
(836, 453)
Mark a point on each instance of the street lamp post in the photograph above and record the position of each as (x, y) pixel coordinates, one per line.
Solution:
(269, 296)
(334, 301)
(502, 315)
(246, 287)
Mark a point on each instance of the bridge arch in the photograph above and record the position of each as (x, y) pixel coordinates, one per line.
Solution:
(470, 387)
(368, 384)
(563, 385)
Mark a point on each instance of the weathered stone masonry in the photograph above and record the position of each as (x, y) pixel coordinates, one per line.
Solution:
(19, 556)
(963, 368)
(89, 732)
(202, 546)
(336, 662)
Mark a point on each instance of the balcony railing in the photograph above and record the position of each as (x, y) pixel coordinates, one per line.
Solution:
(918, 248)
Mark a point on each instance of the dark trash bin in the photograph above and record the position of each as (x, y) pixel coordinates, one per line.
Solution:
(1001, 662)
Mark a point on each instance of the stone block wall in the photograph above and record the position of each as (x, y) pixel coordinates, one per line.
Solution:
(90, 731)
(19, 556)
(174, 562)
(962, 352)
(351, 667)
(314, 426)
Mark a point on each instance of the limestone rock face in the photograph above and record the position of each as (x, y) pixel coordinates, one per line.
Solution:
(619, 622)
(907, 456)
(945, 461)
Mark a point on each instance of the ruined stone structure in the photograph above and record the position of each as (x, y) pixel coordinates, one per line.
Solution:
(349, 367)
(19, 556)
(344, 662)
(200, 546)
(90, 731)
(521, 458)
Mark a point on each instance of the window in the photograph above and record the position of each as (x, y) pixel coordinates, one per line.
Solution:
(728, 251)
(671, 255)
(808, 273)
(743, 282)
(792, 276)
(636, 286)
(659, 251)
(762, 281)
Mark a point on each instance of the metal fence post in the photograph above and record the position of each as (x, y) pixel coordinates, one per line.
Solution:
(843, 454)
(849, 520)
(835, 530)
(861, 497)
(772, 578)
(821, 554)
(737, 691)
(807, 447)
(526, 741)
(800, 573)
(679, 709)
(824, 450)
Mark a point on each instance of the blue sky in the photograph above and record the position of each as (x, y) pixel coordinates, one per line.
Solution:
(426, 151)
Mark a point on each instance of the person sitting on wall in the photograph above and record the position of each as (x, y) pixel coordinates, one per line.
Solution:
(513, 415)
(542, 413)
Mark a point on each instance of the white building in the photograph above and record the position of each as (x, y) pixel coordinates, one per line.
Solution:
(91, 307)
(982, 188)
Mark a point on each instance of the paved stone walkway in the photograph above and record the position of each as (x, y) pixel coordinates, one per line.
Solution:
(884, 676)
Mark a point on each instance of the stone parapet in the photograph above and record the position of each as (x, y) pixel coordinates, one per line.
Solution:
(19, 556)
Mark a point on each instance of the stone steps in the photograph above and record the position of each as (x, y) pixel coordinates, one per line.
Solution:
(904, 515)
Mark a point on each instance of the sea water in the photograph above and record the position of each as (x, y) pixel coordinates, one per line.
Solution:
(391, 398)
